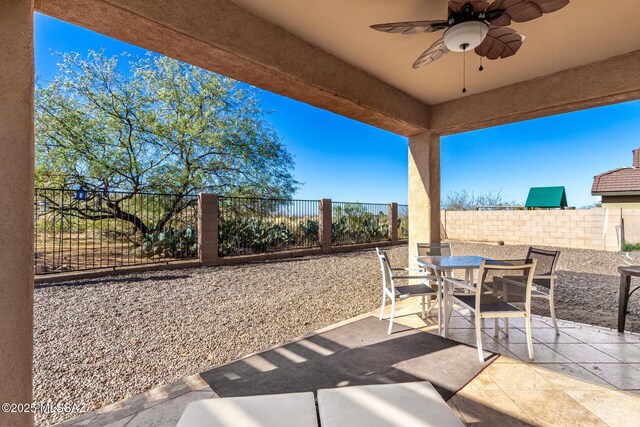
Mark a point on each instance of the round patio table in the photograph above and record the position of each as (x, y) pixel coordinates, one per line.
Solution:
(626, 273)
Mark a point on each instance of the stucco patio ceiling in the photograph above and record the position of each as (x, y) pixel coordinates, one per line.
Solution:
(583, 32)
(324, 53)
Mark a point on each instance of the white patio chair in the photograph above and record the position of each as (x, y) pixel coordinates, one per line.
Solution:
(544, 281)
(483, 303)
(389, 288)
(434, 249)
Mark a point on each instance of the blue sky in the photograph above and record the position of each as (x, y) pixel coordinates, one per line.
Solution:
(349, 161)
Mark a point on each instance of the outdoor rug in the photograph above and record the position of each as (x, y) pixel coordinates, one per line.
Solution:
(358, 353)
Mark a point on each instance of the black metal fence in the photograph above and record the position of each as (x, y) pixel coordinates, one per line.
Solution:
(403, 222)
(82, 230)
(359, 223)
(255, 225)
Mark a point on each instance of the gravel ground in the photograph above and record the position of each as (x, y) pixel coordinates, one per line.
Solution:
(102, 340)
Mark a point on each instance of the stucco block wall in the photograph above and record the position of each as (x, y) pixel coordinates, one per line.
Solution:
(588, 229)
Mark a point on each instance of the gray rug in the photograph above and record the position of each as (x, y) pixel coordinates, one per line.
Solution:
(355, 354)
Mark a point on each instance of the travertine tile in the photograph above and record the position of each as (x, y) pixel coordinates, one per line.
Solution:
(620, 375)
(541, 353)
(490, 408)
(627, 353)
(483, 381)
(582, 353)
(518, 376)
(593, 336)
(616, 408)
(545, 335)
(554, 408)
(570, 376)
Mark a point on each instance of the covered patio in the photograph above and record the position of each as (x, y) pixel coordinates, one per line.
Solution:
(585, 376)
(325, 54)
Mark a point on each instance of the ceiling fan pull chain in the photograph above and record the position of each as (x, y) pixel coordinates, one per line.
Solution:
(481, 67)
(464, 71)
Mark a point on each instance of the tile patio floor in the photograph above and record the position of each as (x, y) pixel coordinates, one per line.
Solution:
(587, 376)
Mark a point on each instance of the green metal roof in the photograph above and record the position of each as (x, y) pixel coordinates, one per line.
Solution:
(546, 197)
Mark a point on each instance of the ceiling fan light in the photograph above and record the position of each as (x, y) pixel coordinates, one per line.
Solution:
(465, 35)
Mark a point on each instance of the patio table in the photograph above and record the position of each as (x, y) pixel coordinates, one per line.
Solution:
(444, 266)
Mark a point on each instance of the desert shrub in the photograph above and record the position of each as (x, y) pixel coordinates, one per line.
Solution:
(169, 244)
(251, 235)
(354, 224)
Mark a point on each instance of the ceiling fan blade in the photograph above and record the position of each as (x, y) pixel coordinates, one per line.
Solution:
(436, 50)
(501, 42)
(478, 5)
(523, 10)
(411, 27)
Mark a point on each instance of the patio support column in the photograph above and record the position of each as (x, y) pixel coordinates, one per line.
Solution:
(325, 213)
(393, 222)
(424, 190)
(16, 203)
(208, 229)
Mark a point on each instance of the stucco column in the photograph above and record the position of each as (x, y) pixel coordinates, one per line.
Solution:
(393, 222)
(326, 213)
(424, 190)
(16, 204)
(208, 229)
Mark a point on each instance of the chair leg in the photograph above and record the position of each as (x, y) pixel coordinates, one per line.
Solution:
(393, 312)
(552, 309)
(424, 316)
(496, 327)
(384, 300)
(479, 338)
(527, 320)
(506, 327)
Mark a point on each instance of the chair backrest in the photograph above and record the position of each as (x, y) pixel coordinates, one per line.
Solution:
(433, 249)
(498, 274)
(546, 264)
(385, 268)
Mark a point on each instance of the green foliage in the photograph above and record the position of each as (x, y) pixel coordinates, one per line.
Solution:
(630, 247)
(465, 201)
(252, 235)
(153, 125)
(169, 244)
(309, 230)
(352, 223)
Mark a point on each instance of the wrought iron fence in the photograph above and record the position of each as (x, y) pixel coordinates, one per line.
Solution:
(249, 225)
(359, 223)
(82, 230)
(403, 222)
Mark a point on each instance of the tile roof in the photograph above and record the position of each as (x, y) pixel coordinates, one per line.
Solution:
(621, 180)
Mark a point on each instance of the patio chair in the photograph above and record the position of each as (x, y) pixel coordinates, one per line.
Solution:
(483, 303)
(544, 281)
(433, 249)
(389, 288)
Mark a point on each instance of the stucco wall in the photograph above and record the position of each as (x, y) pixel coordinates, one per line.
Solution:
(587, 229)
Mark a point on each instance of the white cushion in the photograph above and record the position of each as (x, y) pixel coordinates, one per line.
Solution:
(415, 404)
(274, 410)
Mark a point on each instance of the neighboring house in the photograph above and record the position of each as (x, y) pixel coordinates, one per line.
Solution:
(546, 198)
(620, 187)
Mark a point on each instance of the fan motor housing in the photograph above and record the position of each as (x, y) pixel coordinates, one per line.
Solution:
(465, 35)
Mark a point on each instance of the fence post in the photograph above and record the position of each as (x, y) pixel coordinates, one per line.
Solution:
(325, 223)
(393, 222)
(208, 229)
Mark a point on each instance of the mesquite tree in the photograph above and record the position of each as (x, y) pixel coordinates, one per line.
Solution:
(153, 124)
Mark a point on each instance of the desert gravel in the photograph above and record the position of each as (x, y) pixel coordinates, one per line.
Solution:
(102, 340)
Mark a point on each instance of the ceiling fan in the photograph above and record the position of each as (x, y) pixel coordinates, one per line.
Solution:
(476, 24)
